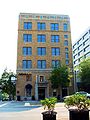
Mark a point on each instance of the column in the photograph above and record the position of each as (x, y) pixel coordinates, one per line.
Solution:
(36, 88)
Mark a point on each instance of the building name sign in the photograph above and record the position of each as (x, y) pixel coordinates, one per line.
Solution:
(44, 17)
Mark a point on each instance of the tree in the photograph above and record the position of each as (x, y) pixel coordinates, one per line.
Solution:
(60, 77)
(7, 85)
(84, 74)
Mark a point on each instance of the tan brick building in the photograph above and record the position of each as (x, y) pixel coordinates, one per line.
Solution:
(44, 41)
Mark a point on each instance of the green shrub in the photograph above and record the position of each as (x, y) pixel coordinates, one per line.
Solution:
(49, 103)
(80, 102)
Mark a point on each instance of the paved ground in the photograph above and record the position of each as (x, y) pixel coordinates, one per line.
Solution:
(35, 114)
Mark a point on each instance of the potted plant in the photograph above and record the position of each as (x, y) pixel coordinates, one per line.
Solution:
(78, 106)
(49, 104)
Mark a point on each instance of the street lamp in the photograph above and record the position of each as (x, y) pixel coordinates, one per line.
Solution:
(13, 79)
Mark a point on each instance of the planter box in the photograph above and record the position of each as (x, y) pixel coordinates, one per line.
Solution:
(78, 115)
(48, 115)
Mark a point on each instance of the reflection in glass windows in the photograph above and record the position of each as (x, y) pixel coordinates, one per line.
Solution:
(66, 43)
(27, 25)
(27, 51)
(65, 36)
(54, 38)
(54, 26)
(66, 55)
(65, 27)
(67, 62)
(41, 26)
(55, 51)
(41, 64)
(27, 37)
(26, 64)
(41, 51)
(41, 38)
(66, 49)
(55, 63)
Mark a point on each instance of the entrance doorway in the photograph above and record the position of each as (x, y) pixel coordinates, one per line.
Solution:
(41, 93)
(64, 91)
(28, 88)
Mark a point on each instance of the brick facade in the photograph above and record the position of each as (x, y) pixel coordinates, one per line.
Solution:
(30, 78)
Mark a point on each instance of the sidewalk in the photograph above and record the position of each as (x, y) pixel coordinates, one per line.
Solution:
(35, 114)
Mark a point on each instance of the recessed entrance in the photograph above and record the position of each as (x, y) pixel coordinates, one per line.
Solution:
(41, 93)
(64, 92)
(28, 88)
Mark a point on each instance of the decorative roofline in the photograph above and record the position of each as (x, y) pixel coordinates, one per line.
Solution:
(43, 16)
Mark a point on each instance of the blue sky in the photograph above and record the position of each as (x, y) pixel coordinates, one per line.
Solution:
(78, 10)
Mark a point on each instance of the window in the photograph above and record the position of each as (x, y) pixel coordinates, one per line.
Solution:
(54, 38)
(80, 53)
(86, 48)
(65, 36)
(27, 37)
(66, 55)
(80, 47)
(27, 25)
(28, 77)
(55, 63)
(65, 27)
(41, 64)
(41, 51)
(67, 62)
(27, 51)
(26, 64)
(55, 51)
(41, 38)
(85, 35)
(41, 79)
(66, 43)
(85, 42)
(75, 56)
(87, 55)
(41, 26)
(55, 26)
(66, 49)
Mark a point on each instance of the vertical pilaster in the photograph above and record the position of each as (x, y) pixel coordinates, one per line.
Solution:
(36, 88)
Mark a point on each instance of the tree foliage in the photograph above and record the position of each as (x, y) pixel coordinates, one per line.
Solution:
(84, 74)
(7, 85)
(60, 77)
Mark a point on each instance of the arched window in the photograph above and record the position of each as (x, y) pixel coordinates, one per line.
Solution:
(28, 88)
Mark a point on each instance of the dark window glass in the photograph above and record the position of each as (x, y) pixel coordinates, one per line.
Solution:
(65, 36)
(41, 79)
(66, 43)
(67, 62)
(66, 55)
(66, 49)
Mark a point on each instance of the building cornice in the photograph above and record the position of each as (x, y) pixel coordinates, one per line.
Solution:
(43, 16)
